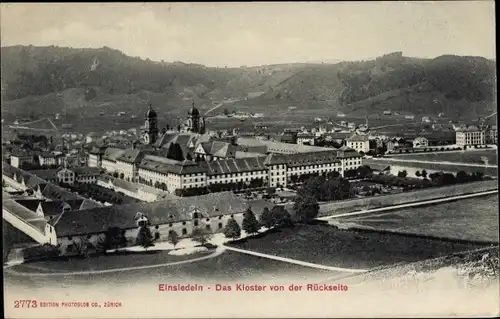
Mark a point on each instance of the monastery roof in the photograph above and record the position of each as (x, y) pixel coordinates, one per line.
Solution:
(277, 147)
(471, 128)
(112, 153)
(162, 212)
(46, 174)
(131, 155)
(219, 148)
(24, 213)
(240, 154)
(301, 159)
(165, 165)
(229, 166)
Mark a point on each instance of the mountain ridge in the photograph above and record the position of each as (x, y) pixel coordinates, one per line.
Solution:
(30, 71)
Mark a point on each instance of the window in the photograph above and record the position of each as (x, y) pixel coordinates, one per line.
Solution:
(220, 225)
(207, 227)
(88, 236)
(183, 223)
(156, 227)
(184, 231)
(70, 237)
(220, 217)
(208, 219)
(195, 223)
(157, 235)
(169, 225)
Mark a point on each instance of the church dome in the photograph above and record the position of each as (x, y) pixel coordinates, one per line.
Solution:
(151, 113)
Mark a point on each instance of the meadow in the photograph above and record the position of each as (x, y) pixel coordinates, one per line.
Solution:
(467, 219)
(327, 245)
(472, 156)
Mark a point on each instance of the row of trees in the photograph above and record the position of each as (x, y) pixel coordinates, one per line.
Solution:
(215, 188)
(323, 188)
(277, 217)
(99, 193)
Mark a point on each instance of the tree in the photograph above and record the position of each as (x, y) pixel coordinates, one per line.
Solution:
(281, 217)
(115, 175)
(418, 174)
(364, 171)
(113, 238)
(424, 173)
(232, 229)
(173, 237)
(306, 208)
(250, 223)
(226, 112)
(462, 177)
(271, 190)
(144, 237)
(266, 218)
(189, 157)
(402, 173)
(200, 235)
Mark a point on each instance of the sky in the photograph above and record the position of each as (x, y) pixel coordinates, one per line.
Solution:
(235, 34)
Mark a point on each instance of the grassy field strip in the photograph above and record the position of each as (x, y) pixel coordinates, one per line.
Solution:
(217, 252)
(294, 261)
(441, 152)
(439, 200)
(432, 162)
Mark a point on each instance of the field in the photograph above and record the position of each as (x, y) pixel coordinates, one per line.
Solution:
(326, 245)
(228, 267)
(469, 219)
(381, 162)
(472, 157)
(110, 261)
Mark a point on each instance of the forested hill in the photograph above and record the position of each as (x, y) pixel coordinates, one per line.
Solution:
(391, 81)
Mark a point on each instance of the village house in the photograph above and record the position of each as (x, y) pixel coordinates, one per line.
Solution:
(305, 139)
(20, 157)
(420, 142)
(470, 136)
(492, 134)
(214, 150)
(95, 156)
(47, 159)
(360, 143)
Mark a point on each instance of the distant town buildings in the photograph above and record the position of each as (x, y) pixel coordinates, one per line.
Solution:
(305, 139)
(470, 136)
(420, 142)
(360, 143)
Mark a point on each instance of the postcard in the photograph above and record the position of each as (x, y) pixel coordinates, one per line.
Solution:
(249, 159)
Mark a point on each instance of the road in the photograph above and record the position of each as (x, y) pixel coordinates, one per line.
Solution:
(433, 201)
(220, 104)
(294, 261)
(388, 159)
(492, 148)
(394, 125)
(216, 253)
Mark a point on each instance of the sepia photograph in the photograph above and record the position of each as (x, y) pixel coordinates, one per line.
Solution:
(249, 159)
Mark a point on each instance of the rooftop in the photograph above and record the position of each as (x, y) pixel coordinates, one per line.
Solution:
(162, 212)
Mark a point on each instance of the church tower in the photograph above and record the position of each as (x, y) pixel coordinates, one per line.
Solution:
(151, 126)
(194, 120)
